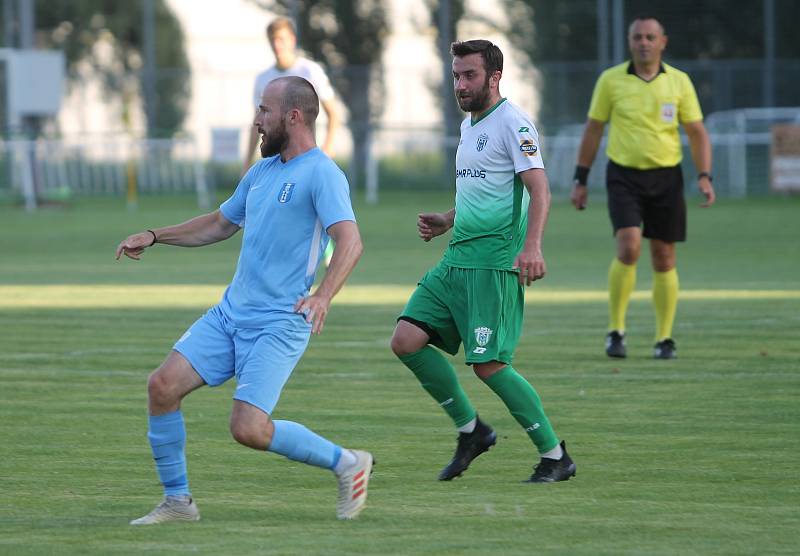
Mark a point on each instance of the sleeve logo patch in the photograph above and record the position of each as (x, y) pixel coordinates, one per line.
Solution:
(528, 147)
(524, 129)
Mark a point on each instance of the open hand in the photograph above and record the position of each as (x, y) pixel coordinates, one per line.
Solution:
(133, 246)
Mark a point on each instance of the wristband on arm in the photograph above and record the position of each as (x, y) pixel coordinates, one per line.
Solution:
(155, 238)
(581, 175)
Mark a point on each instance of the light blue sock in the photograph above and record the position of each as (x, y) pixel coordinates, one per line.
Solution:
(167, 436)
(298, 443)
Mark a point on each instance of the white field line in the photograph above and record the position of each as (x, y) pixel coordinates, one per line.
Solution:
(193, 296)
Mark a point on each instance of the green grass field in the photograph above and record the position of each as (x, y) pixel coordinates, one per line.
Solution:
(694, 456)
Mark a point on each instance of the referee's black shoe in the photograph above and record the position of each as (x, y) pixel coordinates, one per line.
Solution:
(665, 349)
(470, 446)
(615, 345)
(553, 470)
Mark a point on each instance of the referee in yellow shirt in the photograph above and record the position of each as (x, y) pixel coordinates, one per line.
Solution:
(644, 100)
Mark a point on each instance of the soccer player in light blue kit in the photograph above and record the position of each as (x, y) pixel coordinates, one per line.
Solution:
(288, 204)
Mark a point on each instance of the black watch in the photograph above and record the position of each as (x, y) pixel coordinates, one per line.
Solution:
(705, 175)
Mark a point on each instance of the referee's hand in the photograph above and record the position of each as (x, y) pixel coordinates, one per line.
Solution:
(707, 189)
(579, 196)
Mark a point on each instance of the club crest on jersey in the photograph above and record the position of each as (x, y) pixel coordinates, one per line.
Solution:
(285, 194)
(482, 140)
(528, 147)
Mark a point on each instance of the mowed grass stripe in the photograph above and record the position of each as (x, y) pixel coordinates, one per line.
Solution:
(169, 295)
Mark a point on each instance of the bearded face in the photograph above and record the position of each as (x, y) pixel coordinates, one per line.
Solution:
(475, 100)
(273, 139)
(471, 83)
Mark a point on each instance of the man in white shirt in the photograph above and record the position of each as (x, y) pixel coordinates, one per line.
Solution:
(283, 40)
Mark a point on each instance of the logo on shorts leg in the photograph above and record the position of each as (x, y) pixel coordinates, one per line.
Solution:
(482, 335)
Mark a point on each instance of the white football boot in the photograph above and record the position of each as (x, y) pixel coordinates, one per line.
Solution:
(353, 486)
(172, 508)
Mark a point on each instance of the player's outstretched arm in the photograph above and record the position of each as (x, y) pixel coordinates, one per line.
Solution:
(348, 250)
(432, 224)
(201, 230)
(530, 260)
(590, 142)
(700, 145)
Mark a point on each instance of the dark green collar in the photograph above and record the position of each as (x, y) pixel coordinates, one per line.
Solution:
(492, 109)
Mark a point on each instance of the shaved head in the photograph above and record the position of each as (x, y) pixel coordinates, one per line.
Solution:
(298, 93)
(645, 18)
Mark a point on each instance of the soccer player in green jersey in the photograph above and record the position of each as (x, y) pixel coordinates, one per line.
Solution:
(475, 294)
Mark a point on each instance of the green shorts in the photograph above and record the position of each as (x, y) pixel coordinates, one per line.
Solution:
(481, 308)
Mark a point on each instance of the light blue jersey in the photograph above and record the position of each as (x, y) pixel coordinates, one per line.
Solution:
(285, 210)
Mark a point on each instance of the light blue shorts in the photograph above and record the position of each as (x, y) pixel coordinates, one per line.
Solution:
(262, 359)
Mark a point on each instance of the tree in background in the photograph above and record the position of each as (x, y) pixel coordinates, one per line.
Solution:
(108, 36)
(443, 89)
(348, 38)
(554, 32)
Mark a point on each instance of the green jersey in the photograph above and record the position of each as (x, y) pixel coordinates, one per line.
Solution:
(491, 201)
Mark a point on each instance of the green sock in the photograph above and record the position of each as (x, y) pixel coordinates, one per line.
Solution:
(438, 377)
(524, 404)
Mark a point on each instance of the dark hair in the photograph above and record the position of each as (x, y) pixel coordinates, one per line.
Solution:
(492, 57)
(643, 17)
(299, 93)
(280, 23)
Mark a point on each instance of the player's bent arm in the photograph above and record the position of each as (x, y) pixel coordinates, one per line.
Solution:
(535, 181)
(200, 230)
(332, 111)
(700, 145)
(345, 256)
(530, 261)
(347, 253)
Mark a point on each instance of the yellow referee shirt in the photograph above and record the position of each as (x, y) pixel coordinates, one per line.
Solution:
(644, 115)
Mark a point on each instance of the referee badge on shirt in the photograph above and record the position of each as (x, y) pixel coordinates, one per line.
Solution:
(668, 112)
(528, 147)
(482, 140)
(285, 194)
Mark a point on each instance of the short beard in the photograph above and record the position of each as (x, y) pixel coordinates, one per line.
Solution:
(273, 143)
(478, 102)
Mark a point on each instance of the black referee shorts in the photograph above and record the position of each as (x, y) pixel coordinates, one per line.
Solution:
(653, 197)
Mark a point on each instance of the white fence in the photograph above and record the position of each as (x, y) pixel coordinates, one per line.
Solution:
(740, 139)
(42, 169)
(400, 158)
